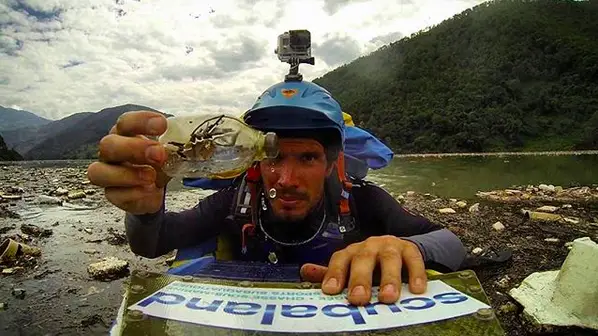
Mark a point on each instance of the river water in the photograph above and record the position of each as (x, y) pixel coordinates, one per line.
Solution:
(453, 176)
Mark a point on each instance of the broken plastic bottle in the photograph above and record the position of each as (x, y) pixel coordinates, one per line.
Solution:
(213, 146)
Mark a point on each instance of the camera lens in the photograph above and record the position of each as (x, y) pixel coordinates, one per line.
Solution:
(300, 39)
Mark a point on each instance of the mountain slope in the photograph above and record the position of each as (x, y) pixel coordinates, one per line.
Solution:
(8, 154)
(23, 139)
(11, 119)
(504, 75)
(80, 140)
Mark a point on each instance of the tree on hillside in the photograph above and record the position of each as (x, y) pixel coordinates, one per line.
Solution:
(511, 74)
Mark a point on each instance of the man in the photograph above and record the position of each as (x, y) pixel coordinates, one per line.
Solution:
(295, 215)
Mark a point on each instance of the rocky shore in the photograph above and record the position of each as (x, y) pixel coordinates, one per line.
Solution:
(74, 285)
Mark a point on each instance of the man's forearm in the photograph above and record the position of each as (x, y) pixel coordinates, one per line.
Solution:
(153, 235)
(440, 247)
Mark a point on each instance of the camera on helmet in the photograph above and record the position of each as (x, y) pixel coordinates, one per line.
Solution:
(294, 47)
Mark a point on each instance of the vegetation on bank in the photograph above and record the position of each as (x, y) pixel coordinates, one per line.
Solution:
(504, 75)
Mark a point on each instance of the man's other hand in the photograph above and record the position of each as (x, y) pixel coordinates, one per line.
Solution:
(355, 266)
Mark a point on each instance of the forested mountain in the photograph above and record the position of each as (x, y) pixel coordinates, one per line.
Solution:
(504, 75)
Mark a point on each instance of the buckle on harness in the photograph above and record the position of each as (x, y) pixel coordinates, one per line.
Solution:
(346, 223)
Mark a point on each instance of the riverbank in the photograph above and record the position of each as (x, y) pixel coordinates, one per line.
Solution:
(54, 294)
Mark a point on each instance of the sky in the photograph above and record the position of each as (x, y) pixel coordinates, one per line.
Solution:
(59, 57)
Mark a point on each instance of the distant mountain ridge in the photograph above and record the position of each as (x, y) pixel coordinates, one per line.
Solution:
(74, 137)
(24, 139)
(11, 119)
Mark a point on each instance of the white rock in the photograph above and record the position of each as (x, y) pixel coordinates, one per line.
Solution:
(76, 194)
(410, 193)
(474, 208)
(551, 240)
(566, 206)
(477, 250)
(545, 187)
(43, 199)
(461, 204)
(571, 220)
(513, 192)
(108, 267)
(498, 226)
(453, 200)
(61, 191)
(447, 211)
(547, 208)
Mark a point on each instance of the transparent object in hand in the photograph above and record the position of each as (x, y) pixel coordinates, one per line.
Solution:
(213, 146)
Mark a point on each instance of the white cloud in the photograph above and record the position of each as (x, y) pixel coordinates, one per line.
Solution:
(59, 57)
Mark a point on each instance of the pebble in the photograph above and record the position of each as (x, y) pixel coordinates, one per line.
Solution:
(504, 282)
(108, 268)
(549, 188)
(410, 193)
(508, 307)
(474, 208)
(461, 204)
(76, 194)
(61, 191)
(498, 226)
(477, 250)
(551, 240)
(571, 220)
(3, 306)
(567, 206)
(569, 245)
(19, 293)
(447, 211)
(547, 208)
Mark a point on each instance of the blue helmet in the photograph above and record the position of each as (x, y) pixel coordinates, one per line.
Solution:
(296, 106)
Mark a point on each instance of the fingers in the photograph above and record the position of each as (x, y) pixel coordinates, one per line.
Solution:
(134, 199)
(390, 266)
(414, 263)
(107, 175)
(137, 150)
(338, 267)
(313, 272)
(140, 122)
(362, 268)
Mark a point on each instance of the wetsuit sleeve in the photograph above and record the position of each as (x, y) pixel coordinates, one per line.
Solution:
(381, 214)
(153, 235)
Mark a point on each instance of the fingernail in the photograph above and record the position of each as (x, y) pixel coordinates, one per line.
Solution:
(418, 282)
(331, 283)
(154, 125)
(358, 291)
(154, 153)
(389, 289)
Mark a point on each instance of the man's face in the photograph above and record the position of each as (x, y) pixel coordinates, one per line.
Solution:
(298, 175)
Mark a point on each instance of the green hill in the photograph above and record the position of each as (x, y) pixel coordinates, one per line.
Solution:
(504, 75)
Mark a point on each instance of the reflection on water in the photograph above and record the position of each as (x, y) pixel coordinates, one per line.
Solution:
(453, 176)
(462, 177)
